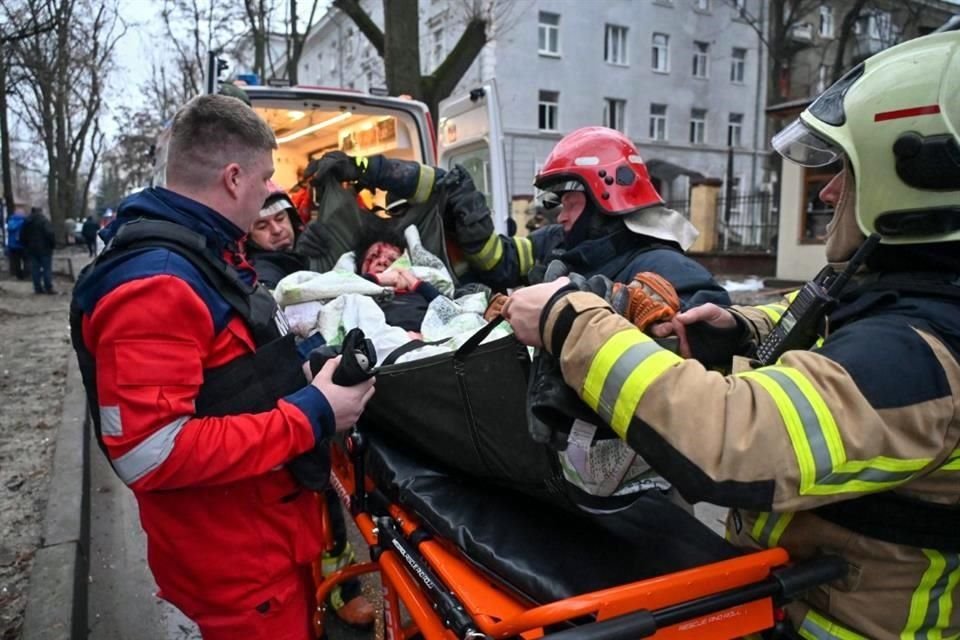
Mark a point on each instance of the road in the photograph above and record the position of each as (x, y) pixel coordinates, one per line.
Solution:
(122, 604)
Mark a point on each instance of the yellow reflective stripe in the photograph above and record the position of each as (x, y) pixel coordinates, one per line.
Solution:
(524, 253)
(620, 373)
(953, 462)
(816, 440)
(362, 162)
(932, 603)
(489, 255)
(817, 627)
(769, 527)
(425, 178)
(792, 295)
(774, 311)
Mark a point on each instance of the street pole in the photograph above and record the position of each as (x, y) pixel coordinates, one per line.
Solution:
(211, 72)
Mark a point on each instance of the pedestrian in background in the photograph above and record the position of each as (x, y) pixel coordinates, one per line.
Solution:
(38, 241)
(14, 248)
(89, 233)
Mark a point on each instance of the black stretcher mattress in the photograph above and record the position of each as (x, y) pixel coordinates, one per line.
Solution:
(543, 551)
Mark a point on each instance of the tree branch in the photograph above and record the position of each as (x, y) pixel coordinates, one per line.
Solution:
(444, 80)
(366, 26)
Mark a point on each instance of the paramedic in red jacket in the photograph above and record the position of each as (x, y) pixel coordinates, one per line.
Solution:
(168, 319)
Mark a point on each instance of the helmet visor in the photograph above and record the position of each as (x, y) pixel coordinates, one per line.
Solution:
(801, 144)
(563, 186)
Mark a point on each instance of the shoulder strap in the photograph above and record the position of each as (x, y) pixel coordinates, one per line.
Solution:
(253, 303)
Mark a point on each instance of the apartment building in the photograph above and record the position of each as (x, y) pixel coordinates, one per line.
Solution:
(685, 79)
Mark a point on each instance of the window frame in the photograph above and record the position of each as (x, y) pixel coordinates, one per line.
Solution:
(544, 30)
(546, 108)
(698, 124)
(826, 19)
(733, 125)
(615, 113)
(660, 53)
(610, 33)
(701, 58)
(738, 66)
(658, 122)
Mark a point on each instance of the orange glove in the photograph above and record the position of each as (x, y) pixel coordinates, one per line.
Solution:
(647, 299)
(495, 307)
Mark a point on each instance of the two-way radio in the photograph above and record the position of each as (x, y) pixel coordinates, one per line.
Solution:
(799, 324)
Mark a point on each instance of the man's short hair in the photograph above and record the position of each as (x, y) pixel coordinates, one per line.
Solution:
(210, 132)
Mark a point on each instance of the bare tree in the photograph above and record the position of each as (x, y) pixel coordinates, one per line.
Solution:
(61, 96)
(296, 39)
(194, 28)
(775, 31)
(398, 43)
(31, 26)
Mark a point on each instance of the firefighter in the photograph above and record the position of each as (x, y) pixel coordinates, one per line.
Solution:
(611, 220)
(197, 393)
(853, 446)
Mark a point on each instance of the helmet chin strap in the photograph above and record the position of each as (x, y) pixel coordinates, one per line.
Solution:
(843, 232)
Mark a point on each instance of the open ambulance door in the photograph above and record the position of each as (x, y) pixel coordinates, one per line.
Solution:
(470, 134)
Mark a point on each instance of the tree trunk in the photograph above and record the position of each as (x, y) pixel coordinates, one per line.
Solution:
(296, 46)
(5, 144)
(843, 39)
(401, 22)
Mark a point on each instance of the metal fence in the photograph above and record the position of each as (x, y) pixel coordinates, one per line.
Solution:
(749, 226)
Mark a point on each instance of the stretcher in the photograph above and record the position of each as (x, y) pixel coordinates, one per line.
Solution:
(458, 559)
(465, 555)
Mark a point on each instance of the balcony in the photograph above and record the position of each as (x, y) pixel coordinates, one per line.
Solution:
(802, 33)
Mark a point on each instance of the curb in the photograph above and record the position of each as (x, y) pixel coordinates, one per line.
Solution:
(57, 593)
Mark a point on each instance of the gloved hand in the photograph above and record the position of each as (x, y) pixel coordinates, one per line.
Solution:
(337, 164)
(466, 210)
(647, 299)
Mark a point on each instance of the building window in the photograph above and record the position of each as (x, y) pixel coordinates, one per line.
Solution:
(658, 121)
(735, 130)
(436, 51)
(823, 78)
(614, 113)
(701, 60)
(548, 107)
(698, 126)
(615, 44)
(702, 5)
(826, 21)
(738, 63)
(549, 31)
(661, 53)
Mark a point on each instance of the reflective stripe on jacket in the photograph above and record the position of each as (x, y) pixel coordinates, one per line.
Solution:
(875, 408)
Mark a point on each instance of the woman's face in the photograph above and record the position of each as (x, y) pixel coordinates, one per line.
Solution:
(572, 204)
(379, 257)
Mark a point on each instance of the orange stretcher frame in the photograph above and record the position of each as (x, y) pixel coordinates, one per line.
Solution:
(498, 613)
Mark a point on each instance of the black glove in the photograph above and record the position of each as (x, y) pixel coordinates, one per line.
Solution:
(466, 210)
(312, 469)
(335, 163)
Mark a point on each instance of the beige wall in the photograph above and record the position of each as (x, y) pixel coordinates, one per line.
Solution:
(795, 261)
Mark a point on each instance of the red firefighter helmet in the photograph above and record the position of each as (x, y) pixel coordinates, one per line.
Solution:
(604, 163)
